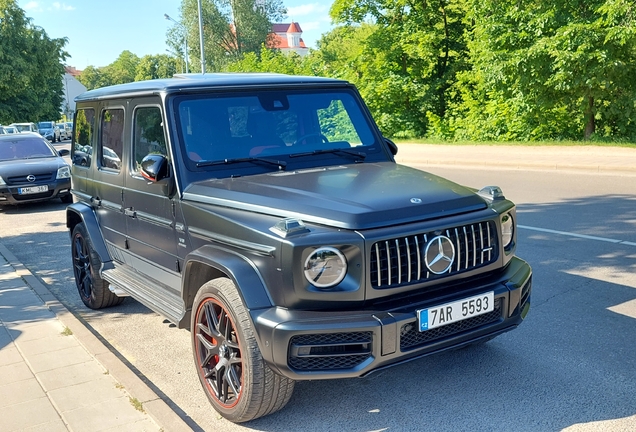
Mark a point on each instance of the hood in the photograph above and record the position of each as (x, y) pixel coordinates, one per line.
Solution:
(360, 196)
(24, 167)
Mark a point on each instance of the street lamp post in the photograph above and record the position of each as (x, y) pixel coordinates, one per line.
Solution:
(201, 38)
(185, 38)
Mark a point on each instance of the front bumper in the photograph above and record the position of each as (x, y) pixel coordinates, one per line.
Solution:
(304, 345)
(57, 189)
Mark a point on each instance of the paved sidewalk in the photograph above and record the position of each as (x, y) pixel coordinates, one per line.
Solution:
(605, 159)
(55, 375)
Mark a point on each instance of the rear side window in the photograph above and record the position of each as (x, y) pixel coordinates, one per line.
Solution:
(111, 139)
(82, 147)
(148, 135)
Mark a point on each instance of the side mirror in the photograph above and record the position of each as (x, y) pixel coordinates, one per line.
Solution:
(392, 146)
(154, 167)
(64, 152)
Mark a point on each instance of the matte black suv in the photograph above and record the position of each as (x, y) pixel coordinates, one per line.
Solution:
(266, 214)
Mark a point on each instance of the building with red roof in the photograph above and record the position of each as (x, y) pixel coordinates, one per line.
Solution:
(287, 38)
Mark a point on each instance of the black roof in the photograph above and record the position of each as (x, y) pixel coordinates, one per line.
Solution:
(185, 82)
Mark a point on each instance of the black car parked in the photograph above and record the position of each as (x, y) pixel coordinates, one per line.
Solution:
(32, 170)
(266, 214)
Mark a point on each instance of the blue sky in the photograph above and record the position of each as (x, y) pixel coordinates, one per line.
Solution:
(98, 31)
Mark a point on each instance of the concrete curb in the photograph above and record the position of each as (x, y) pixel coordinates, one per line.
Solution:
(602, 160)
(165, 417)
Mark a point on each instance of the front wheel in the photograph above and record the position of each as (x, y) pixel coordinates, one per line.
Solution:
(236, 380)
(93, 290)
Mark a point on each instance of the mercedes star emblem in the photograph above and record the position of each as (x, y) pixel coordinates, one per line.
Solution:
(439, 254)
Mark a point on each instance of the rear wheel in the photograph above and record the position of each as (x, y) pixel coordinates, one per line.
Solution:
(236, 380)
(93, 290)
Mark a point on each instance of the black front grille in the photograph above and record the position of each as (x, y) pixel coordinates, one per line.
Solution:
(401, 261)
(39, 179)
(329, 351)
(411, 337)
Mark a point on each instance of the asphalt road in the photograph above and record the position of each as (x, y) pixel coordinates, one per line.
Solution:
(571, 365)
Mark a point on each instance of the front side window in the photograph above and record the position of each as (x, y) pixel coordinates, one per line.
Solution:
(82, 147)
(111, 139)
(148, 134)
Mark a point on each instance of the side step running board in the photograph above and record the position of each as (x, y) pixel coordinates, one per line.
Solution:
(162, 299)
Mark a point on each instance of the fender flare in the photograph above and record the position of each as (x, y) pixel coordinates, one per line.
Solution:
(81, 213)
(239, 269)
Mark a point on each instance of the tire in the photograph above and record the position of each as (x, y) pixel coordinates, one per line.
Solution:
(93, 290)
(237, 381)
(66, 199)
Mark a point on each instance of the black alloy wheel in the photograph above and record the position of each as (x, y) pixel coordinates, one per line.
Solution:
(82, 266)
(93, 290)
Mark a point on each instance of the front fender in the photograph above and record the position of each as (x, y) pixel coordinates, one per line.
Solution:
(81, 213)
(238, 268)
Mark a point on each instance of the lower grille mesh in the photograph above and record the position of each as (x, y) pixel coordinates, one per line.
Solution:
(329, 351)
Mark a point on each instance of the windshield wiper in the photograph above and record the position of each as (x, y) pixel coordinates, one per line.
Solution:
(345, 152)
(280, 164)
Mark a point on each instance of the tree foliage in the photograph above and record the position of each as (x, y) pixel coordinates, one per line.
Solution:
(231, 28)
(128, 68)
(407, 59)
(31, 87)
(548, 70)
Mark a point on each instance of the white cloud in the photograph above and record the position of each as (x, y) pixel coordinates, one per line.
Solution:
(307, 9)
(312, 25)
(62, 6)
(32, 6)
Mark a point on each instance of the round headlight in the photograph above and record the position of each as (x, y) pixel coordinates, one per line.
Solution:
(507, 230)
(325, 267)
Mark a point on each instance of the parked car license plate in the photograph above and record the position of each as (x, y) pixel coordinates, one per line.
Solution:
(33, 189)
(456, 311)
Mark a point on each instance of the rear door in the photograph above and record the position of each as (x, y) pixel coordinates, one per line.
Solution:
(108, 178)
(82, 151)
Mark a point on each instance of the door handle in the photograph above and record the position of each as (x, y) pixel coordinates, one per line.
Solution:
(130, 212)
(96, 201)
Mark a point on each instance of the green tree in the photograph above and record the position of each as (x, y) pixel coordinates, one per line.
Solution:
(549, 70)
(123, 69)
(93, 77)
(273, 61)
(155, 66)
(409, 61)
(231, 28)
(31, 68)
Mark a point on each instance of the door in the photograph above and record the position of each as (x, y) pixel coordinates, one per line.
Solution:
(148, 208)
(108, 180)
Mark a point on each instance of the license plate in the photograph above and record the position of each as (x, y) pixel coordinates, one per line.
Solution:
(456, 311)
(33, 189)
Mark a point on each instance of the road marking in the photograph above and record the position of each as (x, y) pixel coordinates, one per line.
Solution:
(583, 236)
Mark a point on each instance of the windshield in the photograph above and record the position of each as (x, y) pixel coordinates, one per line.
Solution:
(272, 124)
(45, 125)
(25, 149)
(23, 128)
